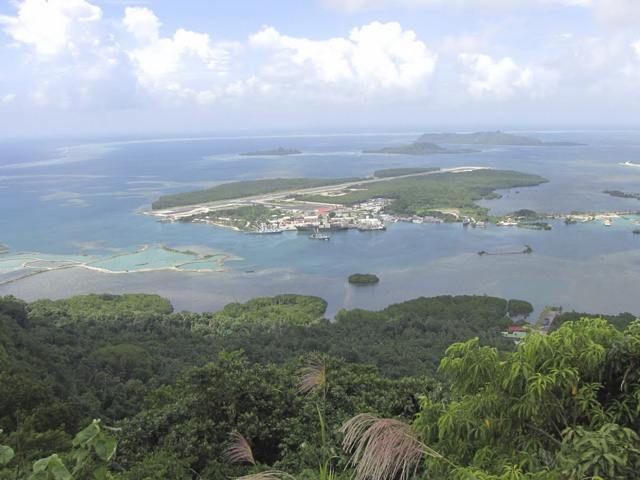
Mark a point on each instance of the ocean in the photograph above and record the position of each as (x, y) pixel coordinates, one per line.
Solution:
(67, 203)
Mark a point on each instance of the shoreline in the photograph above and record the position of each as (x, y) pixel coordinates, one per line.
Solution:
(29, 260)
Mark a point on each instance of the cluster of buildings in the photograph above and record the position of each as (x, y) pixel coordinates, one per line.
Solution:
(365, 216)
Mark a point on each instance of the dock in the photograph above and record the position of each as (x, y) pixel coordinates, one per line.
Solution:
(545, 321)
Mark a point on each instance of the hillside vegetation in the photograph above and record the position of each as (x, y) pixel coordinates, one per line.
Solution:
(292, 384)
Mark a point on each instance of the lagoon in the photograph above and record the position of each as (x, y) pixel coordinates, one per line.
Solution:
(85, 208)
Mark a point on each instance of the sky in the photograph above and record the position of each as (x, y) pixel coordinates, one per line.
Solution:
(140, 67)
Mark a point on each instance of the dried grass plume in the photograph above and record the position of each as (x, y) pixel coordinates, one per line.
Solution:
(313, 375)
(238, 450)
(384, 448)
(268, 475)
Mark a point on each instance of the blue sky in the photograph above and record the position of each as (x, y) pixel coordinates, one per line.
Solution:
(108, 67)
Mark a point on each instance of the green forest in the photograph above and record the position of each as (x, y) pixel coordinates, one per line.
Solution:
(229, 191)
(123, 387)
(421, 194)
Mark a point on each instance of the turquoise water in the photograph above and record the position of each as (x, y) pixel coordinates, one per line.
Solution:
(82, 204)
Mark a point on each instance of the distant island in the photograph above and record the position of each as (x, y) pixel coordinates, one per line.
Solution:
(419, 148)
(490, 138)
(363, 279)
(618, 193)
(277, 152)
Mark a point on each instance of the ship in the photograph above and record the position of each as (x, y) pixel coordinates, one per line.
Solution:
(264, 230)
(325, 227)
(371, 225)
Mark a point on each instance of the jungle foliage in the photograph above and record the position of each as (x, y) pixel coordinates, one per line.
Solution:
(562, 406)
(171, 387)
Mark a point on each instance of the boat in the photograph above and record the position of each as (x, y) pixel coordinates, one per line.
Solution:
(316, 235)
(479, 224)
(466, 221)
(607, 222)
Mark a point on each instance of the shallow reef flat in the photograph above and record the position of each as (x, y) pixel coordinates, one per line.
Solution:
(148, 258)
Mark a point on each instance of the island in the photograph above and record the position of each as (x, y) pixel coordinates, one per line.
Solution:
(420, 148)
(367, 204)
(363, 279)
(620, 194)
(428, 143)
(278, 152)
(491, 138)
(527, 250)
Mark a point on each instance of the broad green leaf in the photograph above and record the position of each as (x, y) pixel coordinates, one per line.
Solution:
(38, 476)
(100, 472)
(60, 472)
(80, 455)
(106, 448)
(6, 454)
(86, 435)
(42, 464)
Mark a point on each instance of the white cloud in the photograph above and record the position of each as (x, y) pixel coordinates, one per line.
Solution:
(375, 60)
(185, 67)
(608, 12)
(595, 73)
(51, 27)
(503, 79)
(363, 5)
(616, 12)
(71, 58)
(65, 54)
(143, 23)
